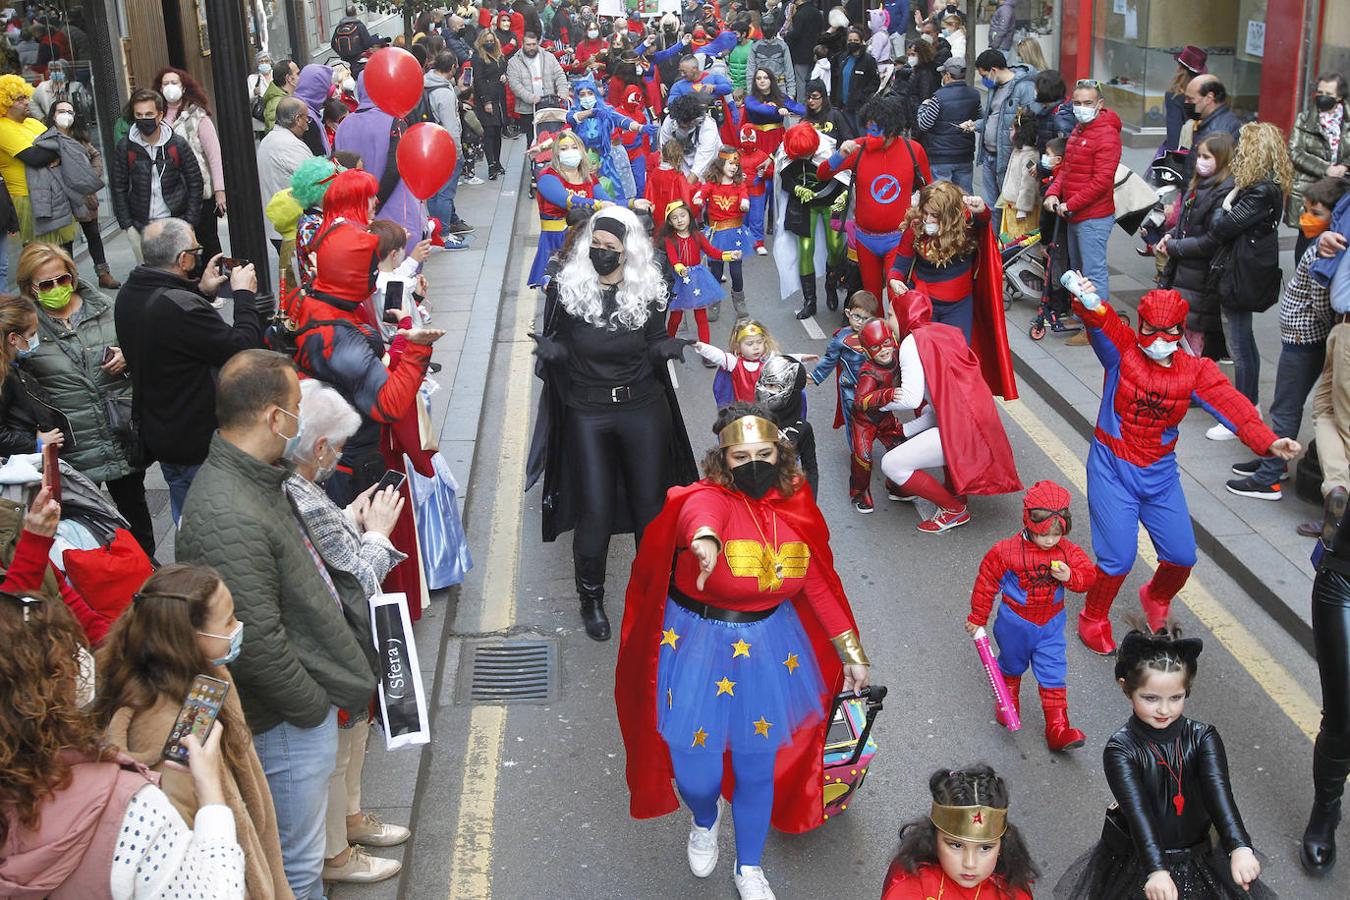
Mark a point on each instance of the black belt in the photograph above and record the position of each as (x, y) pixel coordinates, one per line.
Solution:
(698, 608)
(619, 393)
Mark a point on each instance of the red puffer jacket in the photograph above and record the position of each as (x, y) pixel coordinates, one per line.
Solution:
(1086, 180)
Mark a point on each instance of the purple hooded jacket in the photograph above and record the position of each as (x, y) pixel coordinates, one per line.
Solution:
(315, 83)
(366, 133)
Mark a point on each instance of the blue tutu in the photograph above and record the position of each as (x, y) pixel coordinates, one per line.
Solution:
(549, 242)
(696, 289)
(743, 686)
(729, 239)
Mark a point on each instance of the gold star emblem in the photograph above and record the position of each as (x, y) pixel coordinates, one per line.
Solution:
(740, 648)
(669, 637)
(700, 738)
(762, 727)
(791, 663)
(725, 686)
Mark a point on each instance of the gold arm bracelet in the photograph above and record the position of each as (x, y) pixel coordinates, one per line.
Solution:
(850, 649)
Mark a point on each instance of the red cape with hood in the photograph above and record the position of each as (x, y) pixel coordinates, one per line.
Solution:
(799, 778)
(989, 332)
(975, 447)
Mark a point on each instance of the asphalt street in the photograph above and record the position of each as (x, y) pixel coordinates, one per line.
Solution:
(529, 800)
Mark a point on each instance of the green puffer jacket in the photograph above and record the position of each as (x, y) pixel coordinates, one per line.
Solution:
(66, 365)
(737, 62)
(1311, 153)
(300, 657)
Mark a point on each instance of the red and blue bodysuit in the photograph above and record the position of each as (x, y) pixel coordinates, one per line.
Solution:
(758, 168)
(767, 119)
(951, 287)
(1132, 467)
(883, 173)
(556, 196)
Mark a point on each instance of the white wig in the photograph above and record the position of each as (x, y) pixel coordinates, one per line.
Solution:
(324, 413)
(641, 292)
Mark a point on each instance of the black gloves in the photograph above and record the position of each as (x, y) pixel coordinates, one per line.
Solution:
(548, 350)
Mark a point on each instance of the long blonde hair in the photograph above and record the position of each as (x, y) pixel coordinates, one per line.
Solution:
(954, 238)
(1030, 52)
(1261, 153)
(496, 53)
(584, 167)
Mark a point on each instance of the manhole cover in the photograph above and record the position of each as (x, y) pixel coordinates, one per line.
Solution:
(520, 671)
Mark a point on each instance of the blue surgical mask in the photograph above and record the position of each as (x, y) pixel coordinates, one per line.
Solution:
(58, 77)
(989, 82)
(31, 348)
(874, 129)
(588, 101)
(236, 639)
(292, 443)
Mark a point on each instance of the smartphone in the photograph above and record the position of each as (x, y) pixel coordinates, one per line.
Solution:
(391, 479)
(51, 470)
(229, 262)
(199, 713)
(108, 354)
(393, 296)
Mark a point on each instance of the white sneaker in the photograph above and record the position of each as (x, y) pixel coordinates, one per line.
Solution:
(702, 846)
(1220, 432)
(751, 883)
(471, 180)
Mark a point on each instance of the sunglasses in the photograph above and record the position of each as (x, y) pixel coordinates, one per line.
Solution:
(1088, 83)
(47, 284)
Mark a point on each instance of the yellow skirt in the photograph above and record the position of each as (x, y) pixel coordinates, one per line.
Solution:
(63, 235)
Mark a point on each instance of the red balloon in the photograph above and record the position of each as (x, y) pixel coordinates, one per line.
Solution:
(394, 81)
(426, 158)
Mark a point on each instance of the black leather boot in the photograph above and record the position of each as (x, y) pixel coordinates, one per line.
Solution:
(1318, 851)
(808, 297)
(831, 288)
(591, 589)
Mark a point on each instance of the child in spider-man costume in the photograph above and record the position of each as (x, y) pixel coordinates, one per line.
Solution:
(1031, 570)
(876, 383)
(1132, 466)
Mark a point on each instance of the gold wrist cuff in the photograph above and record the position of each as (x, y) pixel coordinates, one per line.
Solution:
(850, 649)
(705, 531)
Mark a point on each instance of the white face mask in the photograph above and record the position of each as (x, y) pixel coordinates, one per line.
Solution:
(173, 92)
(1047, 161)
(912, 60)
(65, 120)
(1085, 114)
(593, 34)
(1161, 349)
(1204, 167)
(349, 85)
(930, 228)
(569, 158)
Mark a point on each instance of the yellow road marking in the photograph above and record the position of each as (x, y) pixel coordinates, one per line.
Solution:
(1268, 672)
(471, 860)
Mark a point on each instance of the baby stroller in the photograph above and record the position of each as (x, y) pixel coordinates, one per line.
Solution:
(1053, 314)
(550, 119)
(1023, 268)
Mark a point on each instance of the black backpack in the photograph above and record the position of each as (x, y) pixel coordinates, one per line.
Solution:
(423, 111)
(346, 41)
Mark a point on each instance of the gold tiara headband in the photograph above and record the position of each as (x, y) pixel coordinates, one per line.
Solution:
(970, 823)
(748, 430)
(747, 329)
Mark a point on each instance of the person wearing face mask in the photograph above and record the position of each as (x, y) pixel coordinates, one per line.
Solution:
(180, 624)
(1319, 145)
(353, 542)
(489, 96)
(1009, 89)
(1132, 473)
(187, 112)
(1206, 104)
(595, 123)
(751, 592)
(854, 77)
(154, 174)
(302, 660)
(50, 219)
(58, 86)
(280, 154)
(611, 420)
(258, 83)
(81, 174)
(566, 183)
(351, 39)
(589, 50)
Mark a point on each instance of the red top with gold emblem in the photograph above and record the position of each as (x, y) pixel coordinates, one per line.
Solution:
(930, 882)
(723, 201)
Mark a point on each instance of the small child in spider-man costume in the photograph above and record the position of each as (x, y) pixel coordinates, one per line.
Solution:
(1031, 570)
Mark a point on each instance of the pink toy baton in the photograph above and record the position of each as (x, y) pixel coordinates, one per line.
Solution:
(1007, 713)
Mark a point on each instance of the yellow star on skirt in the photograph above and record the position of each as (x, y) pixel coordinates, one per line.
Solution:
(669, 637)
(740, 648)
(725, 686)
(791, 663)
(700, 738)
(762, 727)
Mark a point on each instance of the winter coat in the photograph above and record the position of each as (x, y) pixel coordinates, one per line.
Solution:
(443, 99)
(522, 85)
(1002, 24)
(863, 84)
(301, 658)
(488, 88)
(66, 366)
(917, 84)
(1190, 248)
(1311, 153)
(1085, 182)
(81, 171)
(772, 54)
(1021, 93)
(51, 204)
(132, 169)
(806, 30)
(938, 120)
(25, 409)
(1255, 209)
(1053, 120)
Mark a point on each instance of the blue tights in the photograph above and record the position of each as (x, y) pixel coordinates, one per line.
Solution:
(698, 776)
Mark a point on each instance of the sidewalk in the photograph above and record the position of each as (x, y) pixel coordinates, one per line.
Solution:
(1253, 540)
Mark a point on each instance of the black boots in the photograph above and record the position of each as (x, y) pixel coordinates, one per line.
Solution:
(1318, 851)
(808, 297)
(832, 288)
(591, 589)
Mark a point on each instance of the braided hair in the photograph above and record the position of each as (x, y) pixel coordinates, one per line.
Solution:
(976, 785)
(1144, 651)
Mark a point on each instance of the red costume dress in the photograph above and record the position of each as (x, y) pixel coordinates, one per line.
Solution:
(695, 287)
(875, 389)
(930, 882)
(665, 186)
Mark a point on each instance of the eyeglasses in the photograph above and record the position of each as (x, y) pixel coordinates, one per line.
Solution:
(193, 250)
(47, 284)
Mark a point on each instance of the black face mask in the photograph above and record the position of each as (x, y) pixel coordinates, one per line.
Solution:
(855, 49)
(755, 477)
(147, 127)
(605, 261)
(1325, 103)
(1191, 111)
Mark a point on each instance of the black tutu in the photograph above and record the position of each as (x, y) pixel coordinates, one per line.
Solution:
(1112, 870)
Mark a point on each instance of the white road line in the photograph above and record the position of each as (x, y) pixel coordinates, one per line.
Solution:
(812, 329)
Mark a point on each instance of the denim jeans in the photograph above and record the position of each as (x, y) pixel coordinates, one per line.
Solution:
(1237, 332)
(1300, 367)
(990, 186)
(441, 205)
(179, 479)
(298, 763)
(1087, 251)
(960, 174)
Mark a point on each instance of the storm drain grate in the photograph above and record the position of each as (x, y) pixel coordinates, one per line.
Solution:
(521, 671)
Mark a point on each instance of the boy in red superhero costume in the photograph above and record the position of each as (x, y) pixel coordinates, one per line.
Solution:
(758, 168)
(871, 423)
(1031, 570)
(1132, 466)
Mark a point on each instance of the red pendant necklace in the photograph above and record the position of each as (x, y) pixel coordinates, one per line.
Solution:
(1177, 800)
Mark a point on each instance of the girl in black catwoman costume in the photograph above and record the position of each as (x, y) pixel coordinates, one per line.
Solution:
(1169, 775)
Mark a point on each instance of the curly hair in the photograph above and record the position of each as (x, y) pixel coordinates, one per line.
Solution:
(976, 785)
(12, 87)
(310, 182)
(716, 170)
(955, 238)
(40, 720)
(641, 292)
(887, 111)
(1261, 154)
(716, 470)
(193, 95)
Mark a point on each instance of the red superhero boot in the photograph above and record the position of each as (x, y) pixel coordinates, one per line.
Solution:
(871, 423)
(1059, 734)
(1094, 623)
(1156, 596)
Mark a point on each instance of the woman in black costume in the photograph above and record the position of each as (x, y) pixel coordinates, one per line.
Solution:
(1169, 775)
(609, 439)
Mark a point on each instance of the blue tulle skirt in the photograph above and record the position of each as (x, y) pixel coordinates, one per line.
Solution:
(549, 242)
(695, 289)
(729, 239)
(711, 695)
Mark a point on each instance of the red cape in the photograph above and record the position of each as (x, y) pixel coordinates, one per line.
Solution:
(975, 447)
(989, 333)
(799, 778)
